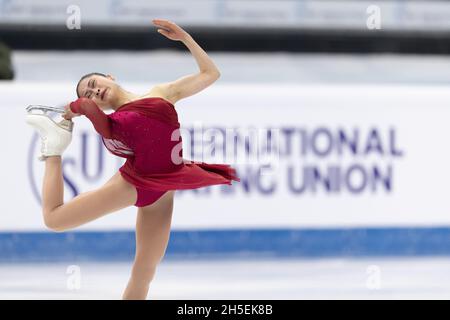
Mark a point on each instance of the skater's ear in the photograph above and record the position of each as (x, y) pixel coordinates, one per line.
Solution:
(111, 77)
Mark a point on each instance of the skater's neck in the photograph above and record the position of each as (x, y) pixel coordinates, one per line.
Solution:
(123, 97)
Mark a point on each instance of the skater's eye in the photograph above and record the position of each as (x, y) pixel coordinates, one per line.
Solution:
(91, 84)
(88, 94)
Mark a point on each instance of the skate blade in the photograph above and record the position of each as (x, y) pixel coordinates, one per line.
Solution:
(41, 109)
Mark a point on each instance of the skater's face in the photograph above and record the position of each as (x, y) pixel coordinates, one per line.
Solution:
(102, 90)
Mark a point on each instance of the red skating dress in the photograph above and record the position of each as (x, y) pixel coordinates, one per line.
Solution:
(145, 132)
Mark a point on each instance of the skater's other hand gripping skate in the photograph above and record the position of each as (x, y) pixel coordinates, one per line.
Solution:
(68, 114)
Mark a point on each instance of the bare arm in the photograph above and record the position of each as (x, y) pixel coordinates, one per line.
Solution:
(191, 84)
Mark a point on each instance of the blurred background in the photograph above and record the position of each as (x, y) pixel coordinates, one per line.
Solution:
(355, 203)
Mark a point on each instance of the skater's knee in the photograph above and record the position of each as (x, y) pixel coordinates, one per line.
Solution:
(47, 212)
(149, 260)
(52, 223)
(144, 272)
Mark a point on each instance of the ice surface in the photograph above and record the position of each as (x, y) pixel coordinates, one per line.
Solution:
(375, 278)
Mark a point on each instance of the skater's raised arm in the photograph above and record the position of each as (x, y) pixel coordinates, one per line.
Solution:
(191, 84)
(99, 119)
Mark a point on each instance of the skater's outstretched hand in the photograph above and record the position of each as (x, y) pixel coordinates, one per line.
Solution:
(170, 30)
(68, 114)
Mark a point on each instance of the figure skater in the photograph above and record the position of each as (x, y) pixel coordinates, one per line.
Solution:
(142, 129)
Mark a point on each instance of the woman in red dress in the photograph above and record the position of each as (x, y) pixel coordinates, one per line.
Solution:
(144, 129)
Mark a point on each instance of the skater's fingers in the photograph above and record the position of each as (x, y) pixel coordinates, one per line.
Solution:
(67, 108)
(69, 115)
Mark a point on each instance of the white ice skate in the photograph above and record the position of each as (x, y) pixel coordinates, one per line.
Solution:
(55, 136)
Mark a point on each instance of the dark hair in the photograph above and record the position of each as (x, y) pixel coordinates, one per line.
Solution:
(87, 76)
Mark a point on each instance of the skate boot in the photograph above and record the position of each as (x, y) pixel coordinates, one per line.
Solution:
(55, 136)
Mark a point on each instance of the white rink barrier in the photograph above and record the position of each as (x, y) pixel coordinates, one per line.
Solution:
(348, 158)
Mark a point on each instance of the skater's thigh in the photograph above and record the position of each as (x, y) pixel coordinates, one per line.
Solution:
(114, 195)
(119, 187)
(115, 179)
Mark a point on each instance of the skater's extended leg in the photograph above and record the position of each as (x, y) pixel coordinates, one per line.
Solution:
(59, 216)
